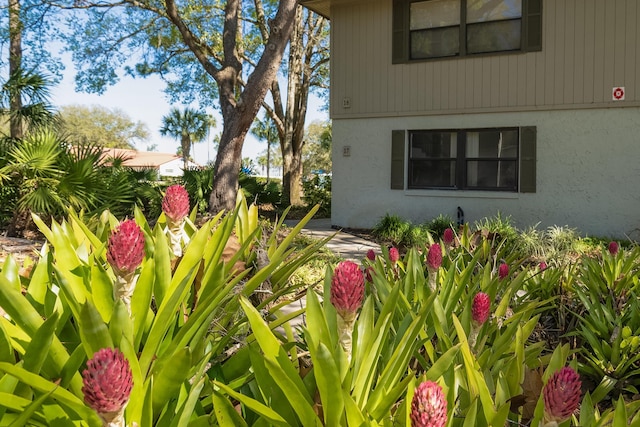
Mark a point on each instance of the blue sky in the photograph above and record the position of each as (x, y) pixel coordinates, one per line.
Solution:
(143, 100)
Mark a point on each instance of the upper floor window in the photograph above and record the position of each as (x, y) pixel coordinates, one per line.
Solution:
(448, 28)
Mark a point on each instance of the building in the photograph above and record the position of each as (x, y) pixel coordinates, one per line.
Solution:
(530, 108)
(167, 165)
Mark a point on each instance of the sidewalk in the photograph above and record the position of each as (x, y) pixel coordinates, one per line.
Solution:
(343, 244)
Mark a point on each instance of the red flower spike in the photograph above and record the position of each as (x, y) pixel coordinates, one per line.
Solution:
(175, 203)
(347, 288)
(107, 381)
(368, 274)
(447, 236)
(480, 308)
(614, 248)
(503, 271)
(542, 266)
(394, 255)
(125, 250)
(561, 395)
(371, 255)
(434, 257)
(428, 407)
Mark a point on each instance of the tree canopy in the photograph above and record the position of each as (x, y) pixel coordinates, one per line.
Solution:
(317, 149)
(101, 126)
(200, 49)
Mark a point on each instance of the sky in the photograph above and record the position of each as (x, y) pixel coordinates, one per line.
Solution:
(143, 100)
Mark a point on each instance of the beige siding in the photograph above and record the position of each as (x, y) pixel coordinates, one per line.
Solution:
(589, 46)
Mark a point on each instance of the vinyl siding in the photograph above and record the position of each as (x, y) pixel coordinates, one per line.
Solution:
(589, 46)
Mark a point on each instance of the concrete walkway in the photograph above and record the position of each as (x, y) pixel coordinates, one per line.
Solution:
(343, 244)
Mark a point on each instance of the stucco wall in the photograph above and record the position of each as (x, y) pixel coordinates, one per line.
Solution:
(588, 172)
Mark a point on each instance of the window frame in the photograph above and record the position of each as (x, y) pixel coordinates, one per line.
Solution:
(462, 159)
(530, 32)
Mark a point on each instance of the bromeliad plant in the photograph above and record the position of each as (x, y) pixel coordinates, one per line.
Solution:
(77, 346)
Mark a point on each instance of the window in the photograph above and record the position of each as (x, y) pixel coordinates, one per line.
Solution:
(500, 159)
(449, 28)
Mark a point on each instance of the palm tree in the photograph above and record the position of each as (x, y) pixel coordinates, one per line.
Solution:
(189, 126)
(49, 176)
(24, 100)
(265, 129)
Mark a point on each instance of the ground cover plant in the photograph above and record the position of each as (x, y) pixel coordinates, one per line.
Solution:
(122, 323)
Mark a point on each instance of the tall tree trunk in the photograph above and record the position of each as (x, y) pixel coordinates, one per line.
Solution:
(292, 148)
(292, 177)
(15, 64)
(238, 112)
(290, 119)
(185, 143)
(226, 170)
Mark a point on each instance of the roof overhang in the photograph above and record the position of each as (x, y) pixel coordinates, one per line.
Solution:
(321, 7)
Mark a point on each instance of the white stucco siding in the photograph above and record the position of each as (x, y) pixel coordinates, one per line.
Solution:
(588, 172)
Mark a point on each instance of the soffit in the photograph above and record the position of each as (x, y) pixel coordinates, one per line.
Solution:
(323, 7)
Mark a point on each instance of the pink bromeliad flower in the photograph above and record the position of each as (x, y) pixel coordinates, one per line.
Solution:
(613, 248)
(347, 294)
(125, 250)
(371, 255)
(561, 395)
(434, 257)
(503, 271)
(448, 236)
(175, 203)
(107, 384)
(428, 406)
(480, 309)
(347, 288)
(394, 255)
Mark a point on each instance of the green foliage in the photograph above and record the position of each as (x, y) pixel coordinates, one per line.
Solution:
(391, 228)
(501, 228)
(439, 224)
(316, 153)
(100, 126)
(260, 190)
(187, 126)
(609, 320)
(184, 312)
(199, 182)
(317, 191)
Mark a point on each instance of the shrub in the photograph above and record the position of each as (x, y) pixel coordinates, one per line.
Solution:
(317, 191)
(438, 224)
(260, 190)
(391, 228)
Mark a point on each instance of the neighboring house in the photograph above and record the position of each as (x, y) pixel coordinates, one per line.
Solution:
(167, 165)
(529, 108)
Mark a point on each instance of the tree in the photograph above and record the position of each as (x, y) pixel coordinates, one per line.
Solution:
(188, 126)
(265, 130)
(25, 27)
(307, 68)
(100, 126)
(317, 149)
(24, 100)
(200, 50)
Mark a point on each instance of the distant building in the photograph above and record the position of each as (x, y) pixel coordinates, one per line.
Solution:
(167, 165)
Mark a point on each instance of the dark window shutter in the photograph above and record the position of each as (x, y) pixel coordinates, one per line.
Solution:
(397, 160)
(528, 159)
(400, 37)
(532, 28)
